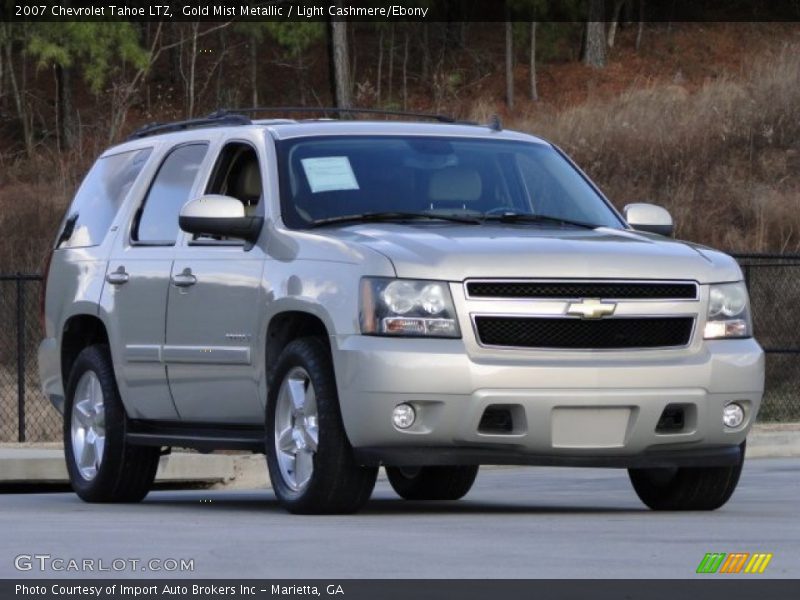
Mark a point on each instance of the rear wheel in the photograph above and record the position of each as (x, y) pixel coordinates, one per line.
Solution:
(432, 483)
(310, 460)
(102, 466)
(685, 488)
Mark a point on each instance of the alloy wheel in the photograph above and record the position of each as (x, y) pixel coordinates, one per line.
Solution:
(88, 425)
(296, 429)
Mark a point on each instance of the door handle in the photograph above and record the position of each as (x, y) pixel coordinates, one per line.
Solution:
(184, 279)
(118, 277)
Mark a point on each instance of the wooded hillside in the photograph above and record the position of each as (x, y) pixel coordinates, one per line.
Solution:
(704, 118)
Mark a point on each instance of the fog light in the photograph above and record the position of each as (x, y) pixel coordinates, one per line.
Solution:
(404, 416)
(733, 415)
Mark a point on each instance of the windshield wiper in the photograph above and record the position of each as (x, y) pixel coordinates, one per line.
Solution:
(375, 217)
(514, 217)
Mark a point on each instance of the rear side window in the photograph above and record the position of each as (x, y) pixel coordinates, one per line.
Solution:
(100, 196)
(157, 220)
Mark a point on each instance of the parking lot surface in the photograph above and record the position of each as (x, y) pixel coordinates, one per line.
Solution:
(515, 523)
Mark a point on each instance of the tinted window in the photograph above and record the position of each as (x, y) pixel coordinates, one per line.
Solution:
(238, 174)
(330, 177)
(100, 196)
(158, 219)
(553, 187)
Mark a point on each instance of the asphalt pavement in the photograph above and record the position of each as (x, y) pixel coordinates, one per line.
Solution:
(515, 523)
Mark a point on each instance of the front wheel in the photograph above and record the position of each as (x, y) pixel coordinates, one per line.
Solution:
(102, 465)
(686, 488)
(432, 483)
(310, 460)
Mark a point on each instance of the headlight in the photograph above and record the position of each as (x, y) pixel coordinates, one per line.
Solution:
(407, 307)
(728, 312)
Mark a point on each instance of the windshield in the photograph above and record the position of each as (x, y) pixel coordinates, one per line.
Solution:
(326, 178)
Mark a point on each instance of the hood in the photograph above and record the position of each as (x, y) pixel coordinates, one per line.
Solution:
(456, 252)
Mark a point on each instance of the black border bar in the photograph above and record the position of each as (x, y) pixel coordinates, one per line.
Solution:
(707, 587)
(397, 10)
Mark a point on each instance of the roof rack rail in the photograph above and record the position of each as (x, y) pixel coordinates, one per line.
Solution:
(212, 120)
(340, 111)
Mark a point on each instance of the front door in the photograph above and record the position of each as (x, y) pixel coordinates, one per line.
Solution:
(215, 309)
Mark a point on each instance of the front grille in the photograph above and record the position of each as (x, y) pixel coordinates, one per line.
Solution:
(610, 290)
(584, 334)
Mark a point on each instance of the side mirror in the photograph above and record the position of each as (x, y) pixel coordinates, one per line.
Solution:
(219, 215)
(649, 217)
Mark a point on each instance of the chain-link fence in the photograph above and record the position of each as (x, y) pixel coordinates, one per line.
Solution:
(774, 284)
(25, 415)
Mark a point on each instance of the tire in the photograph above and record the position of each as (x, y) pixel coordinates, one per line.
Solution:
(698, 488)
(310, 460)
(102, 466)
(432, 483)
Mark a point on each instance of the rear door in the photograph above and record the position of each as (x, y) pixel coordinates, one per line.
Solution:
(215, 309)
(137, 284)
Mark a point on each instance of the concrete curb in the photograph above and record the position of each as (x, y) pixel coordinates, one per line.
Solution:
(44, 463)
(34, 465)
(774, 440)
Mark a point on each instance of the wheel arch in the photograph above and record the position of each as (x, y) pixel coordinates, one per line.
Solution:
(79, 332)
(288, 325)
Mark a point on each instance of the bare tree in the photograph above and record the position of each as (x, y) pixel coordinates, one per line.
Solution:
(426, 51)
(341, 62)
(594, 49)
(532, 71)
(2, 75)
(379, 75)
(391, 63)
(223, 43)
(405, 71)
(640, 29)
(612, 29)
(254, 70)
(65, 116)
(509, 63)
(190, 77)
(19, 90)
(124, 91)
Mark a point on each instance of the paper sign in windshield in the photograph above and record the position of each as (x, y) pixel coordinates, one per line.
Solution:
(329, 173)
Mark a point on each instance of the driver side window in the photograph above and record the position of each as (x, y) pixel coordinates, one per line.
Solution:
(237, 174)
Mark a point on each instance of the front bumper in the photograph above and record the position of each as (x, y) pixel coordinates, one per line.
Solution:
(593, 409)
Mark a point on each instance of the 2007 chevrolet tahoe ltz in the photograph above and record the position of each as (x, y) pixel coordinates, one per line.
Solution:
(428, 297)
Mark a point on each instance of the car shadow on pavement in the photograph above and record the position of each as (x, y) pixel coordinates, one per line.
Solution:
(265, 502)
(387, 507)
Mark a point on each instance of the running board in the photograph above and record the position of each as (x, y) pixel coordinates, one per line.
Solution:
(197, 436)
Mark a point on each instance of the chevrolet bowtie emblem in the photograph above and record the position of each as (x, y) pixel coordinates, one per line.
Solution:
(591, 309)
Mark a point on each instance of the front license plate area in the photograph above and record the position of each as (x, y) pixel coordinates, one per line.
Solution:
(589, 427)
